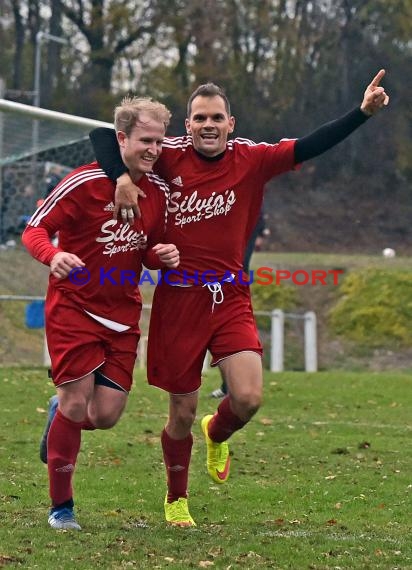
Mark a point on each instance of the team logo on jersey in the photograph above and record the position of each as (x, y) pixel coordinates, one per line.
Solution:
(109, 207)
(190, 209)
(122, 239)
(177, 181)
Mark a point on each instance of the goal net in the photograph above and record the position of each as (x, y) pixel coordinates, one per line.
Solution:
(38, 148)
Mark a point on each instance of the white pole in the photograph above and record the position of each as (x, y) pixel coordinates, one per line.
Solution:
(40, 36)
(36, 103)
(277, 340)
(311, 353)
(206, 361)
(142, 352)
(38, 113)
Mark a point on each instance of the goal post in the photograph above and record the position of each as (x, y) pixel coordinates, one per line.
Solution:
(277, 342)
(38, 113)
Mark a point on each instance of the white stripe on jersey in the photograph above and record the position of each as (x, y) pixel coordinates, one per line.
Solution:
(186, 141)
(246, 142)
(177, 142)
(63, 188)
(164, 187)
(249, 142)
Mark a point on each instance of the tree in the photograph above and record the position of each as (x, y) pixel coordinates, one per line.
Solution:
(52, 79)
(107, 28)
(19, 44)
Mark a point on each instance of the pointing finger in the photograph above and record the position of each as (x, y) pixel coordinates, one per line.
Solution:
(377, 79)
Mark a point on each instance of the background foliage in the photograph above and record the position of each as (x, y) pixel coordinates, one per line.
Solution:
(292, 62)
(375, 308)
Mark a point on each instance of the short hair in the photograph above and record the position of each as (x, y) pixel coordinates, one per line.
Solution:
(208, 90)
(130, 109)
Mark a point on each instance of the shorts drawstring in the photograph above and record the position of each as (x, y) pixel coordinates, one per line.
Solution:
(215, 287)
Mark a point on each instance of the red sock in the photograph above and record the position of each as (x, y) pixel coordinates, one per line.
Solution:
(63, 444)
(224, 422)
(176, 455)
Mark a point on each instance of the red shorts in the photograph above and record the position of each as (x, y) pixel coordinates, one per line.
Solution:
(78, 344)
(183, 327)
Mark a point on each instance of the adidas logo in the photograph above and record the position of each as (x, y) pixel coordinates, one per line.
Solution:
(178, 181)
(109, 207)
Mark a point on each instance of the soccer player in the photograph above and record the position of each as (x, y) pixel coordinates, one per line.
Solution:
(93, 303)
(216, 196)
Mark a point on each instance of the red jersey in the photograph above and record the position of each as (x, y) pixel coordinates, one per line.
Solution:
(215, 204)
(80, 209)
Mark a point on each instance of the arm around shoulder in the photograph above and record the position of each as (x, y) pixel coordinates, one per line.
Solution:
(106, 150)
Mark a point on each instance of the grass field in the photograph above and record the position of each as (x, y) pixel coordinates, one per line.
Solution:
(321, 479)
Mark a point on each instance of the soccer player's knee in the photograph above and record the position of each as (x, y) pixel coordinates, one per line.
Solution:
(105, 420)
(186, 417)
(74, 409)
(253, 405)
(249, 402)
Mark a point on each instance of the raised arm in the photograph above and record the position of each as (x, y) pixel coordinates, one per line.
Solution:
(374, 97)
(330, 134)
(106, 149)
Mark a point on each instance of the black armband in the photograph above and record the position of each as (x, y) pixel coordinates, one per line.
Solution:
(106, 149)
(328, 135)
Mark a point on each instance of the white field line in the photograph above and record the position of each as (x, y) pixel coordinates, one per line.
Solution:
(328, 536)
(365, 424)
(296, 424)
(289, 422)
